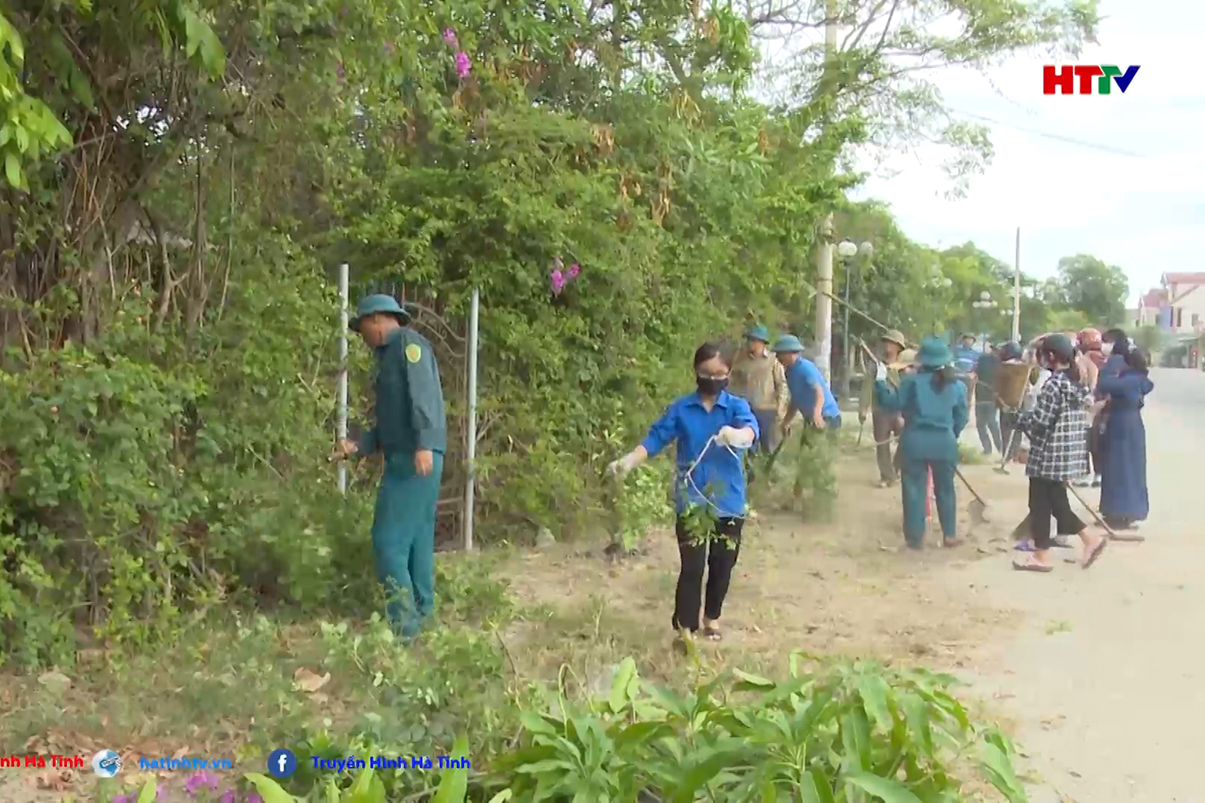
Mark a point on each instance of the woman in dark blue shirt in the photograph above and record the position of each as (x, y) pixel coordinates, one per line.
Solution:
(708, 426)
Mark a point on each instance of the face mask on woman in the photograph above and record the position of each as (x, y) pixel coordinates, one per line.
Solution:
(1106, 348)
(710, 386)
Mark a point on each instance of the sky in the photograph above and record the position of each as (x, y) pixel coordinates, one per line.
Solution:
(1144, 213)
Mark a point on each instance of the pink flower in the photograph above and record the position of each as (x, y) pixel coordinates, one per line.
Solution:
(253, 797)
(201, 779)
(450, 38)
(463, 65)
(227, 796)
(574, 270)
(557, 280)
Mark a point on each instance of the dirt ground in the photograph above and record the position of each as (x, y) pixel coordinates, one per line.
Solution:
(844, 587)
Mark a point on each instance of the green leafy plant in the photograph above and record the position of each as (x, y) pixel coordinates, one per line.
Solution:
(830, 732)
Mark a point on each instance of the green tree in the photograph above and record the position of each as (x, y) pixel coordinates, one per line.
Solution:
(1096, 289)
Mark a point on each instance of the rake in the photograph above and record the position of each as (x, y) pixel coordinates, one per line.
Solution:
(978, 507)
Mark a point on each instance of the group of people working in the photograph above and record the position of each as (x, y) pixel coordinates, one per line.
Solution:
(1079, 422)
(1087, 400)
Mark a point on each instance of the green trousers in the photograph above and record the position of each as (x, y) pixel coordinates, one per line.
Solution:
(914, 483)
(403, 541)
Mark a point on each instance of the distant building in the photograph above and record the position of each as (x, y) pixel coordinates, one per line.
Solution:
(1150, 307)
(1182, 307)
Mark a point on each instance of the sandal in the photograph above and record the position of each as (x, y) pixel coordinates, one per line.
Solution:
(1095, 553)
(1032, 565)
(954, 541)
(711, 631)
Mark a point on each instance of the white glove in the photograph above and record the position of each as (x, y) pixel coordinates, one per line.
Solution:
(880, 373)
(731, 436)
(623, 465)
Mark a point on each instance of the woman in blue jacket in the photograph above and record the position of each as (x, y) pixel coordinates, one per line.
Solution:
(708, 426)
(934, 406)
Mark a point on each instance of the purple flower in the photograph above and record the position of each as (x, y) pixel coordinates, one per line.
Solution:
(199, 780)
(463, 65)
(253, 797)
(574, 270)
(122, 799)
(227, 796)
(450, 38)
(557, 280)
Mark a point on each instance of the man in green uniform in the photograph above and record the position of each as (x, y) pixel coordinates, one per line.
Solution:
(885, 424)
(411, 433)
(934, 407)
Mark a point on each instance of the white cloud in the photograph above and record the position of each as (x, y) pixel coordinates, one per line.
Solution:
(1140, 213)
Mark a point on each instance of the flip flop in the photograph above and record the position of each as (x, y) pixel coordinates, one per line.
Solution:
(1096, 553)
(1024, 546)
(1032, 566)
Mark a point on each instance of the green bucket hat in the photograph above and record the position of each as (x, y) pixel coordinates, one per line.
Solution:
(934, 353)
(375, 304)
(788, 344)
(758, 333)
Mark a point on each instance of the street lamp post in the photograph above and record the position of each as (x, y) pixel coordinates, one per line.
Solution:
(985, 301)
(847, 251)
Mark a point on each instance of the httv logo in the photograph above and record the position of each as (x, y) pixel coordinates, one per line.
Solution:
(282, 763)
(1101, 76)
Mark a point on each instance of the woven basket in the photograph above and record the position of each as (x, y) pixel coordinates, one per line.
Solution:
(1012, 380)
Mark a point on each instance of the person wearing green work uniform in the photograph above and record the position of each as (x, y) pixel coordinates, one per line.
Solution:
(411, 433)
(934, 406)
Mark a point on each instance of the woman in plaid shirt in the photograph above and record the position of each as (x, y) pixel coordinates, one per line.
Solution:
(1056, 427)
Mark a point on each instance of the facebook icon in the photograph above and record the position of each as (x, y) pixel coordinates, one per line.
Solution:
(282, 763)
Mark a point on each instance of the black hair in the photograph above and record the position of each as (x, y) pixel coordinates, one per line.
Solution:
(709, 351)
(941, 376)
(1137, 361)
(1052, 356)
(1121, 341)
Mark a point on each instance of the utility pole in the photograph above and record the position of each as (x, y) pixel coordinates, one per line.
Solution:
(1017, 290)
(824, 254)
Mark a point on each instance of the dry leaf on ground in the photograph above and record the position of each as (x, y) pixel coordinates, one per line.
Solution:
(309, 681)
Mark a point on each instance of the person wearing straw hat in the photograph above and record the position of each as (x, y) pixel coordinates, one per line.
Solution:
(934, 407)
(759, 378)
(886, 425)
(708, 427)
(411, 433)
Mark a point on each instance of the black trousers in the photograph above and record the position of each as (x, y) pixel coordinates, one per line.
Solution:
(1008, 433)
(714, 552)
(1048, 498)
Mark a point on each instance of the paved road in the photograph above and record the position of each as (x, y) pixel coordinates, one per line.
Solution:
(1106, 675)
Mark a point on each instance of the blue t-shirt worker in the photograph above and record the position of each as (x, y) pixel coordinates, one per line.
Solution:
(709, 428)
(811, 396)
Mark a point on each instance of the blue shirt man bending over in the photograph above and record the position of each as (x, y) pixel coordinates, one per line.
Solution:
(811, 396)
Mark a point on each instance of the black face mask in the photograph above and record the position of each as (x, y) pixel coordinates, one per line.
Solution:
(710, 386)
